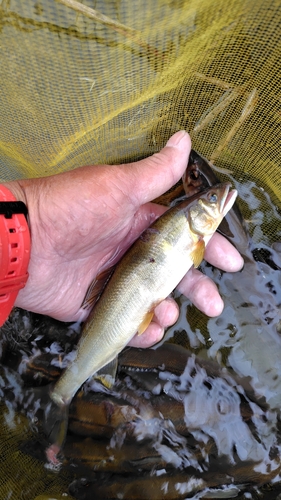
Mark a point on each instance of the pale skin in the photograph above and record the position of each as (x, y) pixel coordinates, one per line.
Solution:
(83, 221)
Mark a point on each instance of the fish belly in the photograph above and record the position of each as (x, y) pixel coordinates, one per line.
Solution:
(133, 292)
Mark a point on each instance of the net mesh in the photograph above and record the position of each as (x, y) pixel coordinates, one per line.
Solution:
(22, 476)
(76, 91)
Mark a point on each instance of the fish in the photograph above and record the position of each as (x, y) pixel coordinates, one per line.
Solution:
(194, 400)
(149, 271)
(136, 428)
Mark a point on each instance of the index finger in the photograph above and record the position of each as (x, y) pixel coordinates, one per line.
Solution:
(222, 254)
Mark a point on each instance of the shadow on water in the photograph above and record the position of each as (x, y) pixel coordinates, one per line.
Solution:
(195, 420)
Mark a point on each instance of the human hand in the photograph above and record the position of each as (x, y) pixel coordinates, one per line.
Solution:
(84, 220)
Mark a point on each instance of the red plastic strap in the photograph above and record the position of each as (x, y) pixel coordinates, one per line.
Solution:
(14, 256)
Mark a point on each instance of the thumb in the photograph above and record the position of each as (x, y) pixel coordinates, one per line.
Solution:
(151, 177)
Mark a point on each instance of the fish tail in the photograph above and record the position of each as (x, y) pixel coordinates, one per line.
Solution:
(55, 423)
(54, 426)
(51, 418)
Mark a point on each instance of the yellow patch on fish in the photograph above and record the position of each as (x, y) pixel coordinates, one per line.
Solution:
(197, 253)
(145, 322)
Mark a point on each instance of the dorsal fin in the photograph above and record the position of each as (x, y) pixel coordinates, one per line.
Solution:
(96, 288)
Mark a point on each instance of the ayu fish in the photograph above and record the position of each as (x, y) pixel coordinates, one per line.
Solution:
(147, 274)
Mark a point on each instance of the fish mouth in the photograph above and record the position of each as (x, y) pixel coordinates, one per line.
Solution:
(228, 198)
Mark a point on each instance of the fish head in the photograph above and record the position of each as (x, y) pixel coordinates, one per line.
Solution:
(210, 207)
(198, 174)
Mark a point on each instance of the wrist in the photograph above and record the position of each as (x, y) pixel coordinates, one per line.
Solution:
(14, 248)
(16, 189)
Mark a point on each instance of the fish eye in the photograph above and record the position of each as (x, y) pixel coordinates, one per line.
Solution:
(213, 198)
(194, 174)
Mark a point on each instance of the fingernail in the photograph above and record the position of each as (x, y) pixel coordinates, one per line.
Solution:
(176, 139)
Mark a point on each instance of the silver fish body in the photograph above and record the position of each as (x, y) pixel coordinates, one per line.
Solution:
(146, 275)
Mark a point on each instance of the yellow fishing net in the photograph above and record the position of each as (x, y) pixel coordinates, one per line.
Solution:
(75, 91)
(79, 89)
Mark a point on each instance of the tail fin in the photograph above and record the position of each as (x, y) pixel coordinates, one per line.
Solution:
(52, 419)
(55, 423)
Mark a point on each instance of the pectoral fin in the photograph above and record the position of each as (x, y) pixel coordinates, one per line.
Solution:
(197, 254)
(145, 322)
(107, 374)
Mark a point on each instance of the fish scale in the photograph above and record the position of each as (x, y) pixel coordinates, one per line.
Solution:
(147, 274)
(153, 278)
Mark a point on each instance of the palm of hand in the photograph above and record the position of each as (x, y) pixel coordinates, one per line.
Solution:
(83, 221)
(88, 224)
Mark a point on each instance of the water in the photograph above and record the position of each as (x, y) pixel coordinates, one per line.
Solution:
(203, 424)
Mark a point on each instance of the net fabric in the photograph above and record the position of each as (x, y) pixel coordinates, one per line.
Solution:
(74, 91)
(22, 476)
